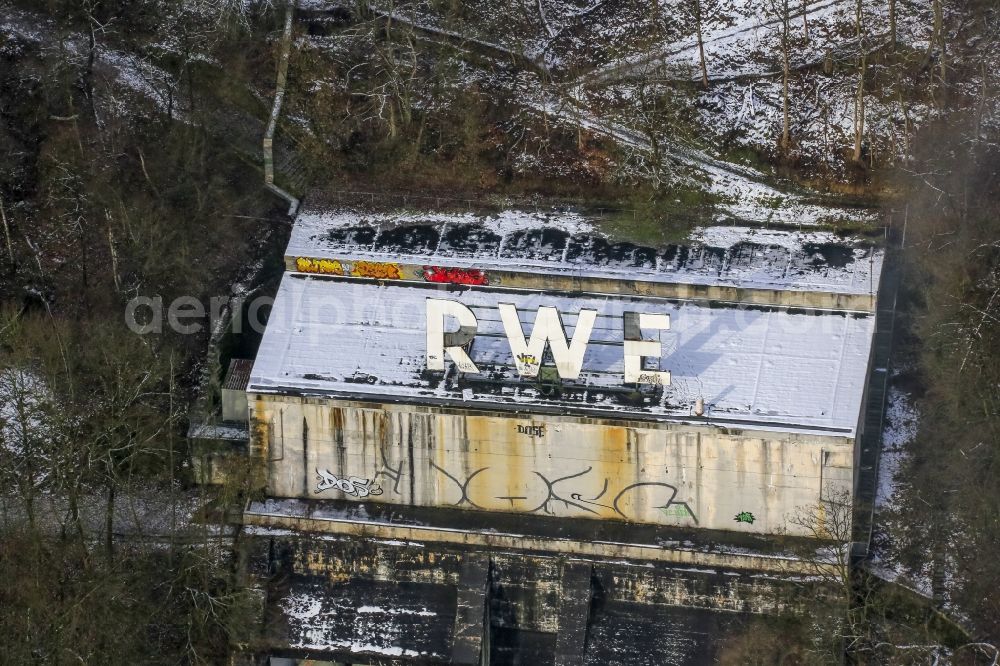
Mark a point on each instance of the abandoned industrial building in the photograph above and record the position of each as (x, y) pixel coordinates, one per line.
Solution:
(514, 438)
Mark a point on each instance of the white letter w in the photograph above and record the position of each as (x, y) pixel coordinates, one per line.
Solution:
(549, 330)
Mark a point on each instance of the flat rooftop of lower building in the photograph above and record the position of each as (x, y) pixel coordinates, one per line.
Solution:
(757, 367)
(565, 243)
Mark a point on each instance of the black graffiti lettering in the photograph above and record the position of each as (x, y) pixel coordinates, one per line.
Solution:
(553, 496)
(593, 500)
(394, 474)
(576, 500)
(652, 484)
(462, 487)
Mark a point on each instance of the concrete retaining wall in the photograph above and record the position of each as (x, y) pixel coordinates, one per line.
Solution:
(661, 473)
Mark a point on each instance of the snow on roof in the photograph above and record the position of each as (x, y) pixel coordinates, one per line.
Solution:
(571, 244)
(755, 367)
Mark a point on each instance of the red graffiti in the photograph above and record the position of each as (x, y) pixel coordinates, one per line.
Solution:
(472, 276)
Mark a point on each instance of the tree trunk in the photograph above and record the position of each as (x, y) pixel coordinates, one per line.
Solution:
(935, 31)
(859, 98)
(805, 18)
(980, 111)
(786, 130)
(74, 515)
(938, 23)
(943, 70)
(701, 45)
(88, 75)
(6, 232)
(109, 523)
(84, 262)
(114, 255)
(906, 115)
(892, 25)
(859, 110)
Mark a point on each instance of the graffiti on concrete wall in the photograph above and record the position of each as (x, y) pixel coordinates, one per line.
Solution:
(321, 266)
(529, 360)
(351, 485)
(679, 510)
(585, 492)
(443, 274)
(380, 270)
(553, 496)
(391, 270)
(387, 471)
(653, 378)
(745, 517)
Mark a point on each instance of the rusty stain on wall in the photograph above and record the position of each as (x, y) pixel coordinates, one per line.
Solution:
(561, 466)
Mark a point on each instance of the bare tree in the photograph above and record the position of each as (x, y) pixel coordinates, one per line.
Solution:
(233, 12)
(781, 10)
(829, 523)
(25, 438)
(859, 97)
(892, 25)
(936, 30)
(701, 45)
(652, 122)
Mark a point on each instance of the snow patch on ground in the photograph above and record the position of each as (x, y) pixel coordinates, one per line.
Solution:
(423, 612)
(118, 69)
(898, 433)
(901, 423)
(301, 606)
(743, 193)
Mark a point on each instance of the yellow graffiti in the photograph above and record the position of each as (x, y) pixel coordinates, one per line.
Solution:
(324, 266)
(527, 359)
(376, 269)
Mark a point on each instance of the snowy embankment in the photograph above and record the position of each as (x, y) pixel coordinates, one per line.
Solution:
(898, 433)
(743, 105)
(741, 192)
(119, 71)
(901, 422)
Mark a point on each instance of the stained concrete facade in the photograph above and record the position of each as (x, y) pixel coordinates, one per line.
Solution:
(419, 515)
(680, 474)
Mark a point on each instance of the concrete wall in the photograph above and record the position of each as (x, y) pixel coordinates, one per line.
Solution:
(660, 473)
(338, 560)
(234, 405)
(617, 613)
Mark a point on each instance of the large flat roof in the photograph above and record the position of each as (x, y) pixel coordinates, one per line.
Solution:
(575, 245)
(755, 367)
